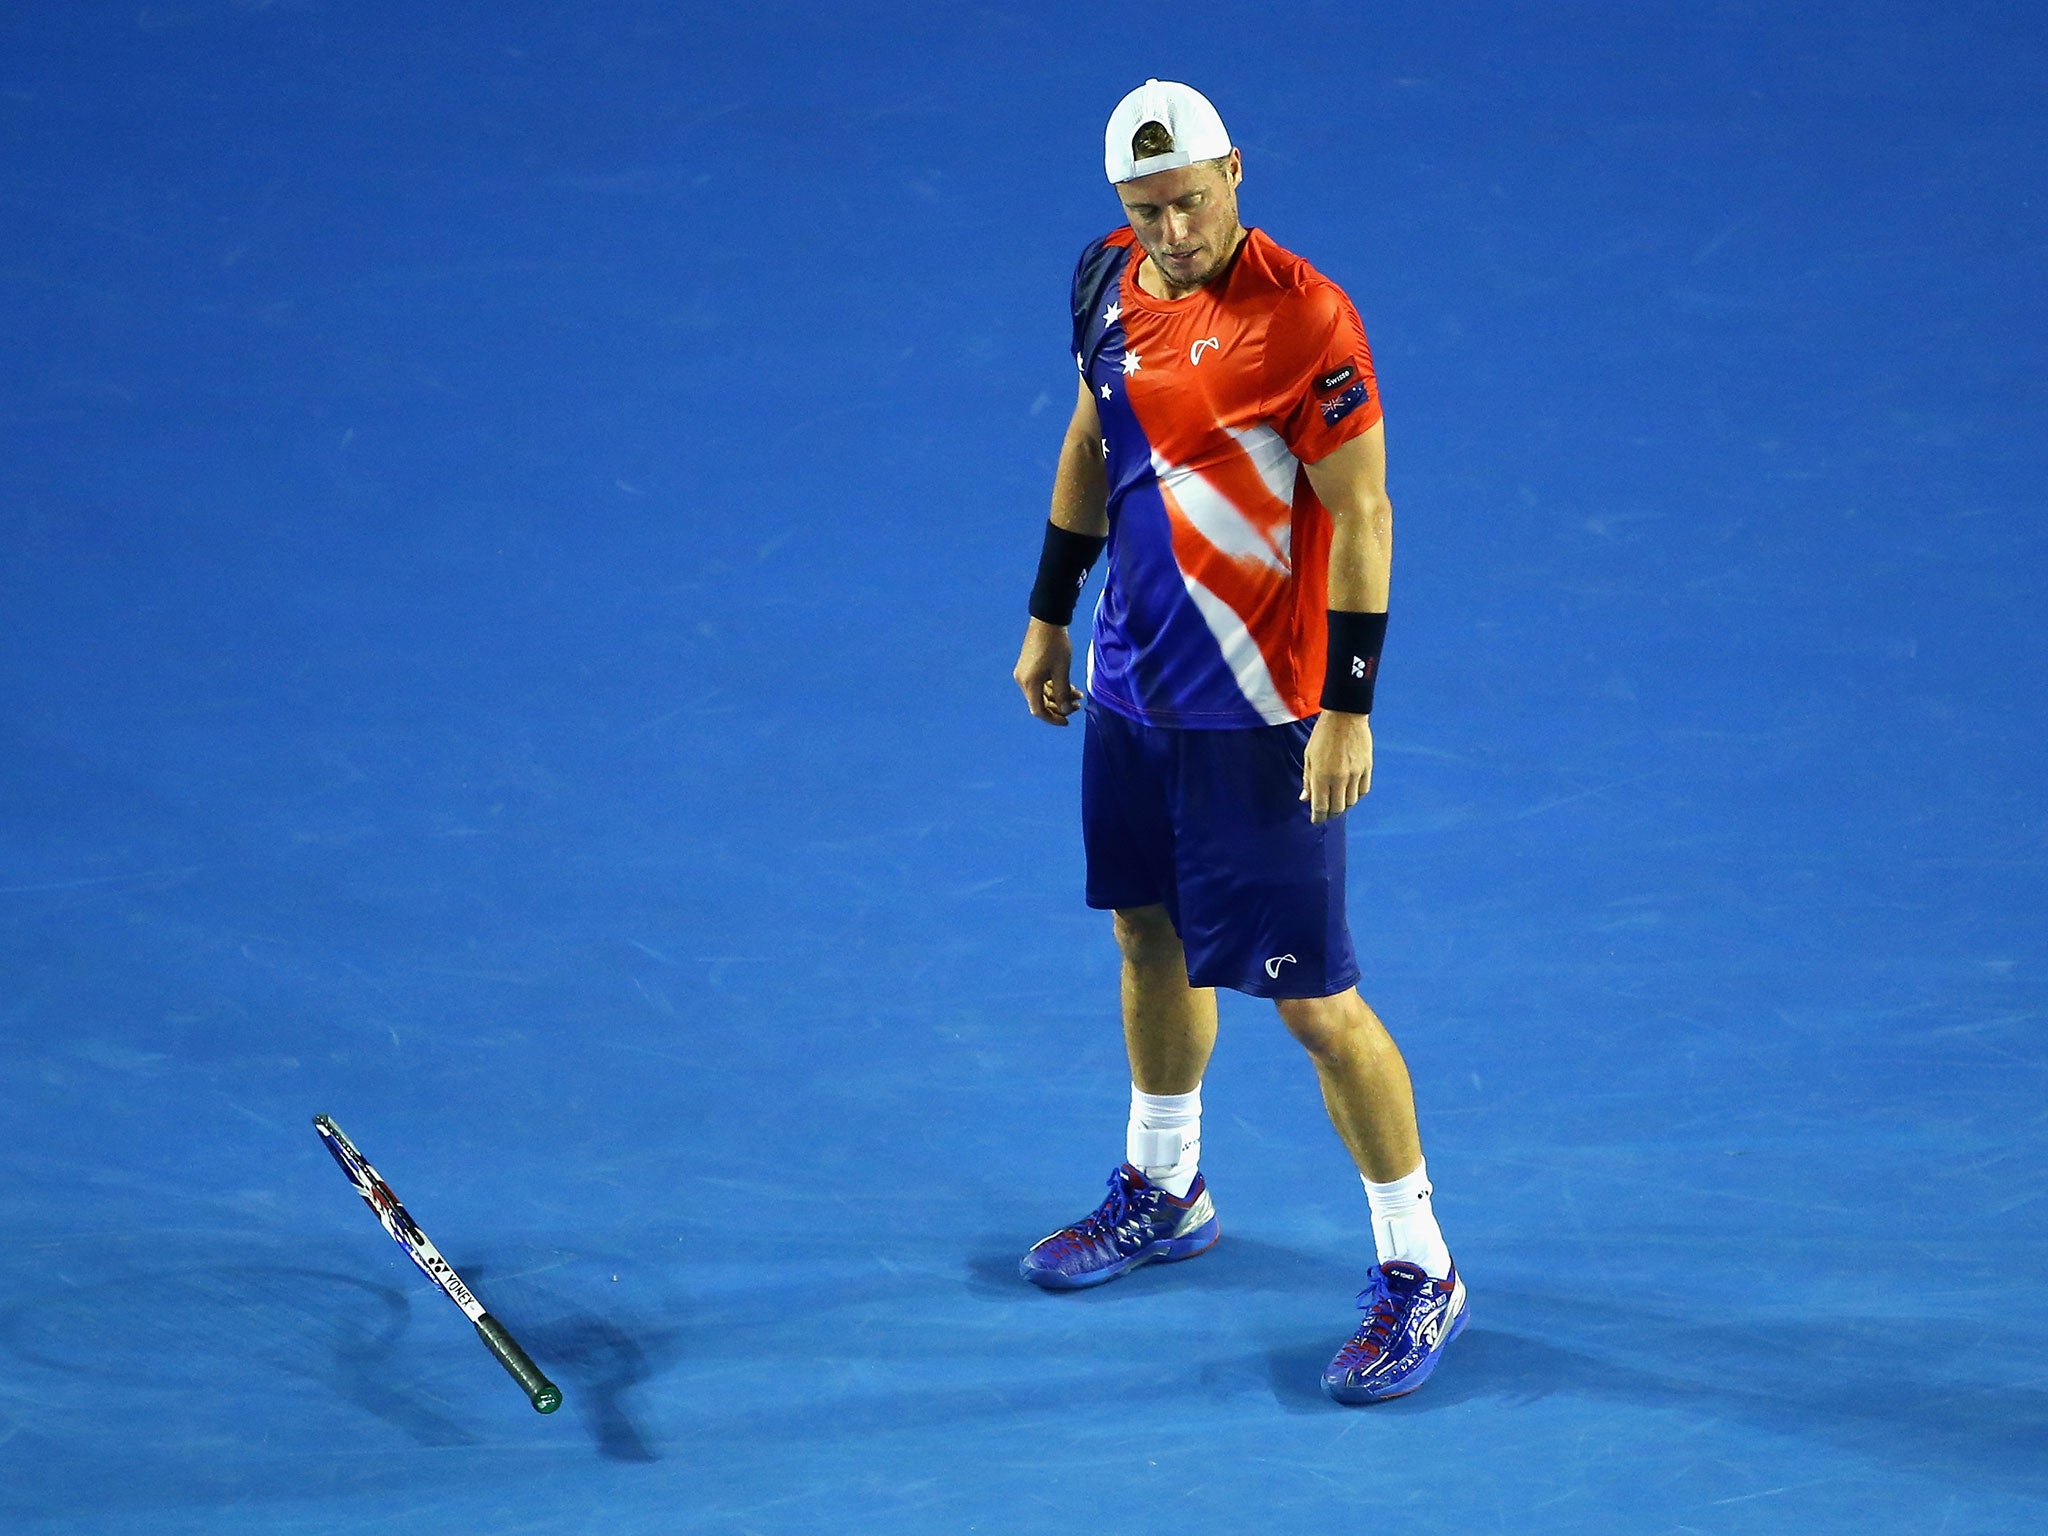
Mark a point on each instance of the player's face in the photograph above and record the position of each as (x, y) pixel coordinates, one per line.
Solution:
(1186, 219)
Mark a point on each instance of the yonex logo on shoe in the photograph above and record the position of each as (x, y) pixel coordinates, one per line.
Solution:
(1273, 965)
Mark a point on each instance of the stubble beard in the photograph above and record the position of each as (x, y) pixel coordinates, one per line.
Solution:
(1195, 275)
(1198, 275)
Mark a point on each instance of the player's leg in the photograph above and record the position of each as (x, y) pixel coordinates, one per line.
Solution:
(1414, 1300)
(1169, 1026)
(1364, 1080)
(1169, 1032)
(1261, 894)
(1158, 1208)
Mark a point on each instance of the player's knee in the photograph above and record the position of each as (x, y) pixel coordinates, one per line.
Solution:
(1146, 936)
(1328, 1027)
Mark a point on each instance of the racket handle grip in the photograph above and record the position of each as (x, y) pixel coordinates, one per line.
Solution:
(544, 1394)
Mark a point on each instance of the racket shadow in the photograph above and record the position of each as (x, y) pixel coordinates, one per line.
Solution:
(595, 1359)
(362, 1377)
(192, 1327)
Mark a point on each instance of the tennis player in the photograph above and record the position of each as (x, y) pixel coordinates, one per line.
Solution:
(1227, 447)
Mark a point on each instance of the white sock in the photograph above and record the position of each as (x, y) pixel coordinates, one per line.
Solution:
(1164, 1138)
(1404, 1224)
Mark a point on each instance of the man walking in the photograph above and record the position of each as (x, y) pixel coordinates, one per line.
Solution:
(1227, 446)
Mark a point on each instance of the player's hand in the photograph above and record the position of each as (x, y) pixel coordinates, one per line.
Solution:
(1337, 769)
(1044, 672)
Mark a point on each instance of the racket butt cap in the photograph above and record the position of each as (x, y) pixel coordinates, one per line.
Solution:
(545, 1396)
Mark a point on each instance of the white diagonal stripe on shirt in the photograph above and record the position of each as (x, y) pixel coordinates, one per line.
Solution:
(1271, 456)
(1240, 653)
(1277, 467)
(1217, 518)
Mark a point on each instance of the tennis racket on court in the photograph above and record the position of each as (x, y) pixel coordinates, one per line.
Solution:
(545, 1396)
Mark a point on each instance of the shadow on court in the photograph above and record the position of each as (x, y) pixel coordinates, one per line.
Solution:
(596, 1360)
(208, 1330)
(186, 1331)
(1234, 1264)
(1863, 1386)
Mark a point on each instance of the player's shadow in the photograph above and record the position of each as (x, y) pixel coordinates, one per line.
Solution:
(1481, 1364)
(1850, 1383)
(595, 1360)
(1235, 1264)
(992, 1272)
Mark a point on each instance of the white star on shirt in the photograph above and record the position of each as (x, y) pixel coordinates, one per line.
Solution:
(1111, 315)
(1105, 391)
(1130, 362)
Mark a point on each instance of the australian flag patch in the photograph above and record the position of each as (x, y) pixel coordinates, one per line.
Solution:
(1336, 409)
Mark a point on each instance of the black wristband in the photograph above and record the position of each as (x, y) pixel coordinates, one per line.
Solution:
(1353, 664)
(1062, 570)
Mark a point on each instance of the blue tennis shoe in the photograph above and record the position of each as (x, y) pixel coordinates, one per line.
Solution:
(1410, 1320)
(1139, 1223)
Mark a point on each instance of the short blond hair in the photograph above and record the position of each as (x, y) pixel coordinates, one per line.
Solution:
(1157, 139)
(1151, 139)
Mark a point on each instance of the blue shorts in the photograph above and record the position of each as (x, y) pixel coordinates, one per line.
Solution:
(1211, 825)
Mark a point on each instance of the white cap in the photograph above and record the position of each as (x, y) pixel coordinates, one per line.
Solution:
(1198, 132)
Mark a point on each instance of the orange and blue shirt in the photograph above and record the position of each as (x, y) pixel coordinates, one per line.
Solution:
(1212, 616)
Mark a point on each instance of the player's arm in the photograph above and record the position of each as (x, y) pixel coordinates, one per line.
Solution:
(1079, 523)
(1351, 483)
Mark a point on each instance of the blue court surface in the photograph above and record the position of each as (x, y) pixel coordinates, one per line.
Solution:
(514, 528)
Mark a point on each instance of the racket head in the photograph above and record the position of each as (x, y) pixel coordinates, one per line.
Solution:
(370, 1184)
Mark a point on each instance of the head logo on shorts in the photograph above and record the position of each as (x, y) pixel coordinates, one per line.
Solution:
(1273, 965)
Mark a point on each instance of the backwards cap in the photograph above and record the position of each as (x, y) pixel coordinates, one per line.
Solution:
(1198, 132)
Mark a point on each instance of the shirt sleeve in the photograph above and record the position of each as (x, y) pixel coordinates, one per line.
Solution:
(1096, 276)
(1078, 302)
(1319, 377)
